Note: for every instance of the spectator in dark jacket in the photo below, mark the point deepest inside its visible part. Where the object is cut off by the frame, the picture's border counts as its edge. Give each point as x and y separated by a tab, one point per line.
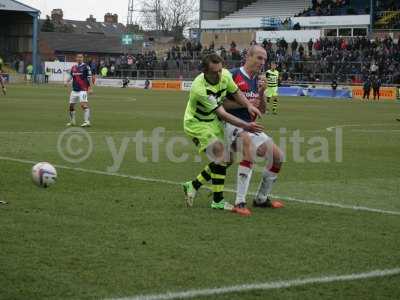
310	47
376	85
367	88
294	46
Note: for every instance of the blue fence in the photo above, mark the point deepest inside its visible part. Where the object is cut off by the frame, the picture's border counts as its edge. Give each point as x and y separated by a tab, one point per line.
329	93
294	91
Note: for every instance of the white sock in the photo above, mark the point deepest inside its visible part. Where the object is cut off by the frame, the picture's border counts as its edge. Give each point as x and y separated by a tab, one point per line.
265	188
87	114
243	181
72	116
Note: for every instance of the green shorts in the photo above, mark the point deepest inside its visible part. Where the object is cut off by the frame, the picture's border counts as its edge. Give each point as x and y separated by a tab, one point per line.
272	92
204	134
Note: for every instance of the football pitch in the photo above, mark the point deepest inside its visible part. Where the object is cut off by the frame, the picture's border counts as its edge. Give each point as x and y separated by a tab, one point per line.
115	224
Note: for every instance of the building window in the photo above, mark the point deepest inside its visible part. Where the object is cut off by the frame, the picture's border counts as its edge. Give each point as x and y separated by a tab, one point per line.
359	31
331	32
344	31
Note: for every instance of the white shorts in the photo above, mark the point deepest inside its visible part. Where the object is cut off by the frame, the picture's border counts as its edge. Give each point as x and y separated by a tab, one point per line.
78	97
232	132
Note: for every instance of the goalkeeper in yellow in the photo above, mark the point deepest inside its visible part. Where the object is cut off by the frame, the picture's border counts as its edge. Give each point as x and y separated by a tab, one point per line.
272	87
204	124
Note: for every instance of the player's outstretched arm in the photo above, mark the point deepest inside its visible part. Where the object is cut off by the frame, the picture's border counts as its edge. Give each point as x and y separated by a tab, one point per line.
227	117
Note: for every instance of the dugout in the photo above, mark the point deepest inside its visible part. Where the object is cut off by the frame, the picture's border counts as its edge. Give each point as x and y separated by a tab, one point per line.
19	32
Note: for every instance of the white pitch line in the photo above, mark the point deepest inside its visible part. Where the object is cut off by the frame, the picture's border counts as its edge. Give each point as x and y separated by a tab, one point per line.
338	205
90	132
356	125
156	180
139	178
376	130
264	286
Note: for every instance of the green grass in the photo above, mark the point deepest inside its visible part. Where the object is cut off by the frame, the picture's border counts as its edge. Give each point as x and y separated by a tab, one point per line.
93	236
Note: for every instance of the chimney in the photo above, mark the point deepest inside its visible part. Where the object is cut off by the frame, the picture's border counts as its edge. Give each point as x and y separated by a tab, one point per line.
57	15
91	19
111	18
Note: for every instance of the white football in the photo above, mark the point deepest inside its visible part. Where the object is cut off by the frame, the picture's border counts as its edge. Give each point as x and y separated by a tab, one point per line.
44	174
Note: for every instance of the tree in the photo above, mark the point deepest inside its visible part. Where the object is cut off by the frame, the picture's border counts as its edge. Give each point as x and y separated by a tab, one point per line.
48	25
173	16
154	15
180	15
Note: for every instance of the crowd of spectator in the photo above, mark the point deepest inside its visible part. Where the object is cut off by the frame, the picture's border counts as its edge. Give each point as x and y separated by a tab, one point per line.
18	63
350	59
345	59
112	65
348	7
176	58
327	8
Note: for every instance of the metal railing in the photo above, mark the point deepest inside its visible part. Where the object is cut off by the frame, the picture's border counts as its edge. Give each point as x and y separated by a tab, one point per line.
343	71
155	74
298	77
288	63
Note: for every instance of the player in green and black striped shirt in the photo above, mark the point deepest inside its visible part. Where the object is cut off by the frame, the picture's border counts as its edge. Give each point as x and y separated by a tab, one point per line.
203	123
272	87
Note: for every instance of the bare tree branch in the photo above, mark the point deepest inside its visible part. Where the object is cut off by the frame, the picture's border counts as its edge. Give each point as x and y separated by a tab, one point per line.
172	16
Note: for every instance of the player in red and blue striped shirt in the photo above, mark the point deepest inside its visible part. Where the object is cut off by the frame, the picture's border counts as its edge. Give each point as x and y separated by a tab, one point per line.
81	77
253	86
